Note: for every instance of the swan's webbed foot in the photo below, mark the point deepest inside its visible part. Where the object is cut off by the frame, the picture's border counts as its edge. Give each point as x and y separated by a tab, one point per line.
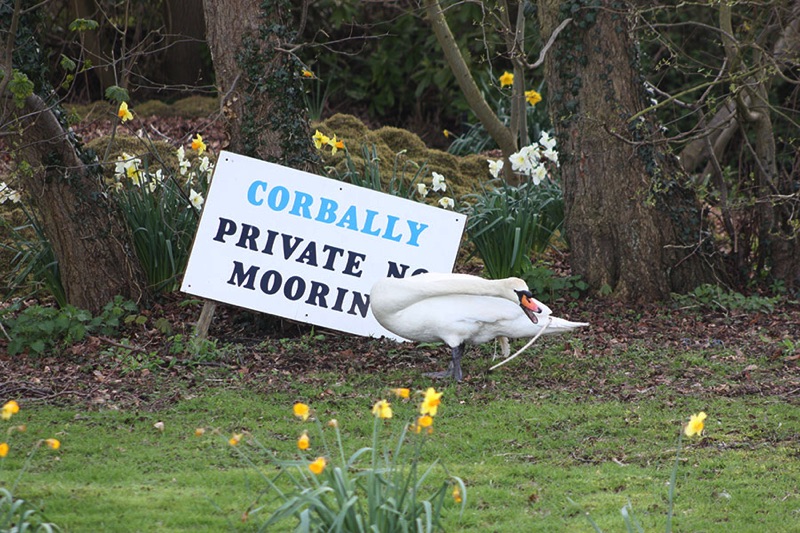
454	368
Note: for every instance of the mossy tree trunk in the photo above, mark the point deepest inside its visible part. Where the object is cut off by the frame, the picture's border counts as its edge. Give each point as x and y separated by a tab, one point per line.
260	82
95	260
632	228
58	179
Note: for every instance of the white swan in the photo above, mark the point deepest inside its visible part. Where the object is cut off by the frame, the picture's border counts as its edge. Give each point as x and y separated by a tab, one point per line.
460	308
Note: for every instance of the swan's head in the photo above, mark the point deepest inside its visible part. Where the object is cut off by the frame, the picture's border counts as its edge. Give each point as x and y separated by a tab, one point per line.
531	306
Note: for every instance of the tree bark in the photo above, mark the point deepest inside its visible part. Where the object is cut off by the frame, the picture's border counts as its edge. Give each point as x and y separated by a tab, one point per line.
259	80
89	240
183	61
632	229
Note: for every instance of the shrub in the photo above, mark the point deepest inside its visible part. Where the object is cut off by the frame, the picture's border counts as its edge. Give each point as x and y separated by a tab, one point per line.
509	222
40	328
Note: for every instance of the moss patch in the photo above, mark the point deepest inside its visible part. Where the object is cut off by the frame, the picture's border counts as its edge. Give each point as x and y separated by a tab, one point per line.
403	152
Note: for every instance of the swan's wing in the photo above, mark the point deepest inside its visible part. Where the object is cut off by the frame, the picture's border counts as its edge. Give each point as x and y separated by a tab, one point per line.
456	319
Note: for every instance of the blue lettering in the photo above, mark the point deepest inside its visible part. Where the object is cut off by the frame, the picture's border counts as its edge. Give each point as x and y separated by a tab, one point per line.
416	228
251	192
349	220
388	234
278	198
327	211
368	223
302	202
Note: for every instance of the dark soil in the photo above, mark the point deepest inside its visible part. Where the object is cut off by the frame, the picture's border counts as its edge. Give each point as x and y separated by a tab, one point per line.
143	367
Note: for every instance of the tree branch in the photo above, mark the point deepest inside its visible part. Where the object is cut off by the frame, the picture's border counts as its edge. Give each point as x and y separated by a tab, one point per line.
502	135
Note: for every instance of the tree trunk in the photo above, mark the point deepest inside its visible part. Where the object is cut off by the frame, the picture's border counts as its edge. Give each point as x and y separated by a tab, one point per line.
259	82
183	62
89	241
632	229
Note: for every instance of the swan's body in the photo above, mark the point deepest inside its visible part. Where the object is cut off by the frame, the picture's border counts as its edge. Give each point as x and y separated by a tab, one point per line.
458	308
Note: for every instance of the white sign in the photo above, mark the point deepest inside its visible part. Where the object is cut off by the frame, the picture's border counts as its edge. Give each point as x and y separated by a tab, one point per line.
309	248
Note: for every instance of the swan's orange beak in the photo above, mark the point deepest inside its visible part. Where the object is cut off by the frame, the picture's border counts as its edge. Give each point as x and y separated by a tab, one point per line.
529	305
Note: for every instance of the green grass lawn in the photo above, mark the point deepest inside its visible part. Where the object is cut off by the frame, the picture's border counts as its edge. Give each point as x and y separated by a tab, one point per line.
524	452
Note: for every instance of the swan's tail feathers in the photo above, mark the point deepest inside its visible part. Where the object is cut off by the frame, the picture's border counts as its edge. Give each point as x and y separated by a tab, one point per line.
561	325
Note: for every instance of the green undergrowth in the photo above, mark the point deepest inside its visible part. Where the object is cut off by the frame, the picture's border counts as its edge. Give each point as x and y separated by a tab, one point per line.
522	452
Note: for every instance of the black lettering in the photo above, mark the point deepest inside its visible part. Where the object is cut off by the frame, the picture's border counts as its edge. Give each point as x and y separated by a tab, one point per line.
249	236
240	277
270	242
288	248
340	294
271	276
395	272
353	263
226	227
332	253
362	302
294	288
317	294
309	255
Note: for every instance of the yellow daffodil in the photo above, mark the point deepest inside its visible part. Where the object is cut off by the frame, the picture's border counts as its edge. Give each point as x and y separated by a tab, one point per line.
301	411
423	422
53	444
533	97
457	494
506	79
446	134
695	425
430	404
382	409
199	432
307	73
198	144
303	442
234	440
124	113
402	393
320	139
317	466
335	145
3	449
10	408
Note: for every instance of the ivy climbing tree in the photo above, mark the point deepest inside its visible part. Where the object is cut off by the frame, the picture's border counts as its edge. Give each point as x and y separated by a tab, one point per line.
260	79
58	177
634	228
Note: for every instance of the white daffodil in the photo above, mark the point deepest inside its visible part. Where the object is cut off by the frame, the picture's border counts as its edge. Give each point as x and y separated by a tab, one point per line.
196	199
495	167
422	189
547	142
446	202
438	182
539	173
519	162
552	155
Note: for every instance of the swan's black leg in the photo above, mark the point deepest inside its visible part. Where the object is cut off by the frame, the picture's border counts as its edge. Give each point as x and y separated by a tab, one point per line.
458	351
454	368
